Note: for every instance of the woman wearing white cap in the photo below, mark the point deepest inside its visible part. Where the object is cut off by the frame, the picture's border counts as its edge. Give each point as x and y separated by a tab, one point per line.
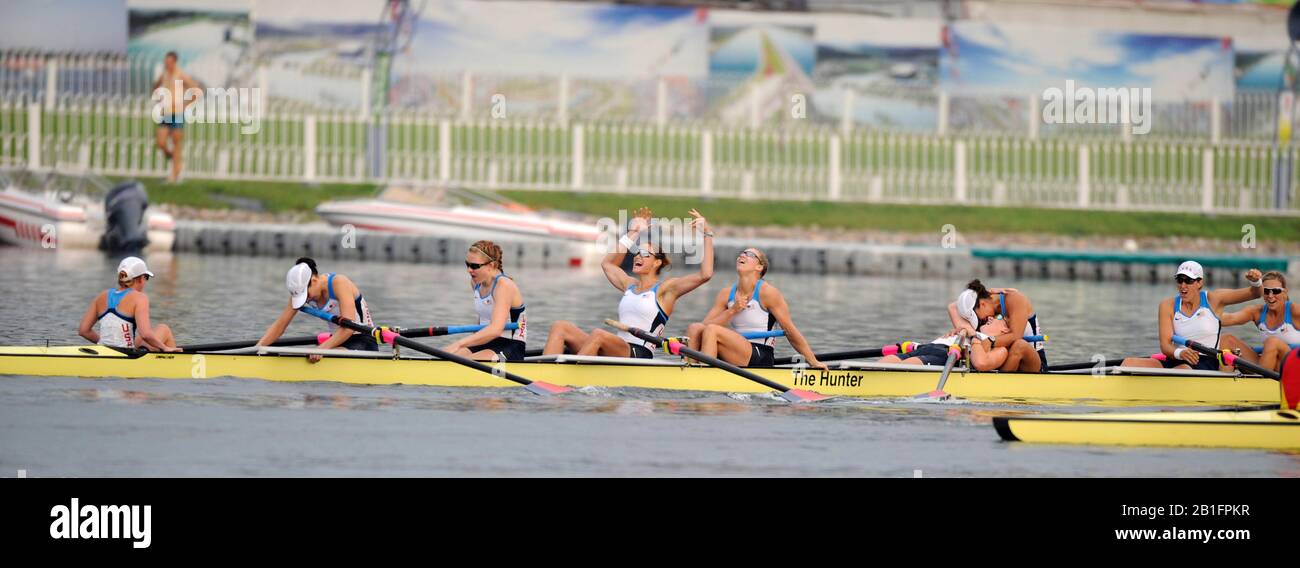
976	304
123	313
1276	319
1195	315
307	286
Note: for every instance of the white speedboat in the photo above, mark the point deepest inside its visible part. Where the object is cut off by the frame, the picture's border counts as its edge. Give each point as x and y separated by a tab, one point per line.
445	212
53	210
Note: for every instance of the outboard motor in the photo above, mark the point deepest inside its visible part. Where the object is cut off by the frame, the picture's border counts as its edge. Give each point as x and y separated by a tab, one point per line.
126	228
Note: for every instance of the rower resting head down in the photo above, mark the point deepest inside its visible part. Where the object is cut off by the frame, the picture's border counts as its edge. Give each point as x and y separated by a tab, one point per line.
122	313
977	304
333	293
648	296
497	302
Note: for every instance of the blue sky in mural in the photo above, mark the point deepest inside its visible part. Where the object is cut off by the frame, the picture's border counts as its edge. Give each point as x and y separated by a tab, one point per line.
552	38
1010	59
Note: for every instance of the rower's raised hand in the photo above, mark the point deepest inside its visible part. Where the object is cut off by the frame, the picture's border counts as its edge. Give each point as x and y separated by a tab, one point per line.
699	223
1254	275
640	220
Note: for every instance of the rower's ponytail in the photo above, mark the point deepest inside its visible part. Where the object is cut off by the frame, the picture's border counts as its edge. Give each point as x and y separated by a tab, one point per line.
981	292
491	250
123	280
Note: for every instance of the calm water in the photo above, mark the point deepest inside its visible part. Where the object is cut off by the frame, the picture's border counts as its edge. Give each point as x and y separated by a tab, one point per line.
115	427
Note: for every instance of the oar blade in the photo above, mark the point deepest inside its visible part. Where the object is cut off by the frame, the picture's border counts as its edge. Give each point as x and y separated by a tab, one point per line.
797	395
545	389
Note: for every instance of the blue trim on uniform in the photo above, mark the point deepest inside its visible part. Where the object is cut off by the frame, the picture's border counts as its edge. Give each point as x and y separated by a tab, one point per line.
114	298
1286	317
759	286
1205	303
490	292
655	289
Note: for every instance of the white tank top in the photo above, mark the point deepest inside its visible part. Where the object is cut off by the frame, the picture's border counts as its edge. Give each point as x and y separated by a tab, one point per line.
332	305
754	317
1202	326
116	329
483	307
641	310
1286	332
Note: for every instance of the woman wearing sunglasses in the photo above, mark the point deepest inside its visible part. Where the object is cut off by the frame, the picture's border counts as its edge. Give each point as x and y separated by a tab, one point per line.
1196	315
648	298
497	301
123	313
748	306
1275	318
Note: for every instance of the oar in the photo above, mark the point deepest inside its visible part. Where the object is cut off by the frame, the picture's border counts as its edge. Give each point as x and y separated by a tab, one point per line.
1228	357
895	349
790	394
429	331
954	353
387	336
1084	365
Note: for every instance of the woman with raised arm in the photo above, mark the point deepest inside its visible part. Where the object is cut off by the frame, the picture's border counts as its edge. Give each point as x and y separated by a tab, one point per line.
497	301
1195	314
648	297
1275	319
750	305
122	313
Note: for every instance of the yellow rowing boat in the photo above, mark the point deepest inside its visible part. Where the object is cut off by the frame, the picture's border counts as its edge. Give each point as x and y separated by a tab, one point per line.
853	379
1261	429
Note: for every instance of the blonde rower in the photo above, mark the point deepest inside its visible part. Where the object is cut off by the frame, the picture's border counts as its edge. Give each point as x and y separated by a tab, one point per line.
1276	322
497	301
648	297
750	305
122	314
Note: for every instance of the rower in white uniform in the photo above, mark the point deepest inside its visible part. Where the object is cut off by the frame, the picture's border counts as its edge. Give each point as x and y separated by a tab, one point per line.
750	305
122	313
648	297
983	356
1275	319
1195	314
333	293
497	301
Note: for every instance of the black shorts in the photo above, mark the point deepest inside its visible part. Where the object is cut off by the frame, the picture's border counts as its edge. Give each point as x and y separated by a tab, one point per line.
761	355
1205	363
930	354
640	351
360	342
505	348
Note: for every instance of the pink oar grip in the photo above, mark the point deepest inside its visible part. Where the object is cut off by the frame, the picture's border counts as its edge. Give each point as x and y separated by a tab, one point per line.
1229	358
889	350
674	347
1158	356
388	336
323	336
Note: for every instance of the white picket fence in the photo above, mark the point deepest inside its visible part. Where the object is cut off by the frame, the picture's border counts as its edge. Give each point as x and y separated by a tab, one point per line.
115	136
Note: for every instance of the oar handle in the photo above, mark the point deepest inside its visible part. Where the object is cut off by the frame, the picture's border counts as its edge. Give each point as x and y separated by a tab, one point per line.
763	334
435	331
679	349
388	336
1228	357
